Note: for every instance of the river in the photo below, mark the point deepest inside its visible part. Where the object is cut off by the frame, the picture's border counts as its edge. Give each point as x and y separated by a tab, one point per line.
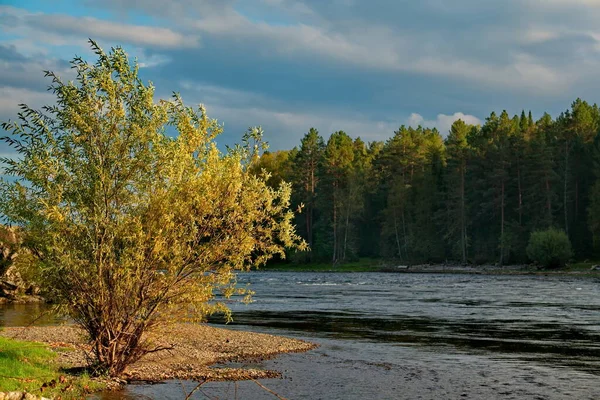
418	336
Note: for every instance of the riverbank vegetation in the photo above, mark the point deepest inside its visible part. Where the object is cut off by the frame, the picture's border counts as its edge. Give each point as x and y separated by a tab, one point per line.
33	367
550	248
25	365
472	195
128	228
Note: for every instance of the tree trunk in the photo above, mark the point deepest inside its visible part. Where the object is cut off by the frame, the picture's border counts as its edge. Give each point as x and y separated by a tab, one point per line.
404	233
502	225
520	196
463	227
397	235
311	210
307	219
346	229
335	244
548	201
566	177
576	199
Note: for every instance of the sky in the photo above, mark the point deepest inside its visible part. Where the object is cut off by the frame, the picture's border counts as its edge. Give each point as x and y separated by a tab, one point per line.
362	66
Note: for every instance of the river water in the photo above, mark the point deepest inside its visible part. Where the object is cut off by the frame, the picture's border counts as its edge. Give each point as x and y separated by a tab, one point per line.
418	336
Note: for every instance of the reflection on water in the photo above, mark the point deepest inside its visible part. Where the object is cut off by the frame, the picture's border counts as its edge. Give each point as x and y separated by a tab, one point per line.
409	336
27	314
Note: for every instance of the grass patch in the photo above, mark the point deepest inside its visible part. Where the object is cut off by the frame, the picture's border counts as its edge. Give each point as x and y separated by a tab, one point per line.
32	367
25	365
361	265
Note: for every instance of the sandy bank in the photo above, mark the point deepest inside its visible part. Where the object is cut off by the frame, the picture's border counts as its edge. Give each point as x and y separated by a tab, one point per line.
193	349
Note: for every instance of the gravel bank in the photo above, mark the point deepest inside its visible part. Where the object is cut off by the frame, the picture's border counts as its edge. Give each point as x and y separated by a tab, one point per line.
193	349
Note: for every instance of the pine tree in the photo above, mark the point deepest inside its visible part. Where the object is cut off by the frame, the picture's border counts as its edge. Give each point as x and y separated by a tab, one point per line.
339	154
457	148
307	163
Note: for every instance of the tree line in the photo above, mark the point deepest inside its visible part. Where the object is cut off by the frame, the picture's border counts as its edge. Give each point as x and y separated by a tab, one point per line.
474	196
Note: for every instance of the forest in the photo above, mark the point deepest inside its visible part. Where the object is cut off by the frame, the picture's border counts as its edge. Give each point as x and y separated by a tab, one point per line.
472	195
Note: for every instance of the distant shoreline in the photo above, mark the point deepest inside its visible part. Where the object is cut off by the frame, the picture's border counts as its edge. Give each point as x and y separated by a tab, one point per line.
578	269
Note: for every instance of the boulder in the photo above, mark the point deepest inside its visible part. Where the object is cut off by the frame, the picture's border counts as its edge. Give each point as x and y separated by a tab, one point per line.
12	275
20	396
13	288
8	289
9	248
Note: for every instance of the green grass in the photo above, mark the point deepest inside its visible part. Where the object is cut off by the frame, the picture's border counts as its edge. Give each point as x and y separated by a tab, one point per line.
32	367
25	365
361	265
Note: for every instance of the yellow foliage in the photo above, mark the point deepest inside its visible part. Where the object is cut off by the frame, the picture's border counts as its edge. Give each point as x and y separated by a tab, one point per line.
128	226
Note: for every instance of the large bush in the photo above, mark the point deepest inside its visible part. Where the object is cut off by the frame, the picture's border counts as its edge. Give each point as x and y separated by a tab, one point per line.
550	248
129	227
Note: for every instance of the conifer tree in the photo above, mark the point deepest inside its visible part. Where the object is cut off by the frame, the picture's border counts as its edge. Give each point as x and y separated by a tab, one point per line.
307	164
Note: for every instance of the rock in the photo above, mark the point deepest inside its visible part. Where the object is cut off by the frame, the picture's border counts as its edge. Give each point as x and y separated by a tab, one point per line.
20	396
32	290
8	288
13	277
14	396
9	247
13	288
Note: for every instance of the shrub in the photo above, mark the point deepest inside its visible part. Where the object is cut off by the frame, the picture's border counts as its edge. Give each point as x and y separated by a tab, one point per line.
128	227
550	248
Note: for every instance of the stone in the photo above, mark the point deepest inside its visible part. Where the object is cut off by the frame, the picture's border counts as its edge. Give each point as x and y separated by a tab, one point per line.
13	277
14	396
32	290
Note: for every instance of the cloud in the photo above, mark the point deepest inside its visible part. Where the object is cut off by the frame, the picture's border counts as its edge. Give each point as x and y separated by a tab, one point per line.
284	129
381	49
19	71
61	26
284	125
11	97
319	35
356	65
96	28
567	3
443	122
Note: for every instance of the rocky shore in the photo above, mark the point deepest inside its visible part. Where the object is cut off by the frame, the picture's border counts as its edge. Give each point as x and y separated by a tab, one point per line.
522	269
193	348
